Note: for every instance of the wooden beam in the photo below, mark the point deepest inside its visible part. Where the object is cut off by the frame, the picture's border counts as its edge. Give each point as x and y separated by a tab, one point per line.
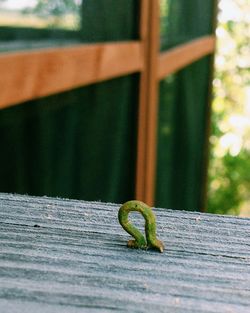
152	114
142	110
33	74
183	55
148	108
206	150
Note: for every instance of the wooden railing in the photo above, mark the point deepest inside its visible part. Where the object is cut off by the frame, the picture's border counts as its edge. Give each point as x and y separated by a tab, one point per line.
32	74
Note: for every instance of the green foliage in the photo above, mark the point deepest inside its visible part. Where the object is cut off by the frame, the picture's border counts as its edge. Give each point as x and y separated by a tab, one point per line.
229	183
56	7
56	13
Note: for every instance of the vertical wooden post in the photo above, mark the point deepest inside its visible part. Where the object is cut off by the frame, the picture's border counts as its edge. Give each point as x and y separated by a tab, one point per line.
142	110
204	191
148	103
152	114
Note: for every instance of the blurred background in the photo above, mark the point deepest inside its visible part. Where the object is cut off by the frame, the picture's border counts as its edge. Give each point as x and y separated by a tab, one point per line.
229	170
30	24
41	14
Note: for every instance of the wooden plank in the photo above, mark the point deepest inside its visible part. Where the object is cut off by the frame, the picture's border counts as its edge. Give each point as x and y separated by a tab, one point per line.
147	127
32	74
142	109
152	107
77	260
183	55
206	151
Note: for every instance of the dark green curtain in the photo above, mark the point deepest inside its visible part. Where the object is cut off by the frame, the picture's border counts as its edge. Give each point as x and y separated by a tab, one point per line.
183	109
184	20
80	143
110	20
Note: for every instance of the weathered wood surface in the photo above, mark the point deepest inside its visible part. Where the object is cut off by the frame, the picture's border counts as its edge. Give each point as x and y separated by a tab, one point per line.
77	260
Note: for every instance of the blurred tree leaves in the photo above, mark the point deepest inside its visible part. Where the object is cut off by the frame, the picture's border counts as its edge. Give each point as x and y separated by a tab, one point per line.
56	7
57	12
229	173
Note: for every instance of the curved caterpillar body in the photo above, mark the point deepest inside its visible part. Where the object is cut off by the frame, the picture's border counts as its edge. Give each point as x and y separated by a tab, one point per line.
150	226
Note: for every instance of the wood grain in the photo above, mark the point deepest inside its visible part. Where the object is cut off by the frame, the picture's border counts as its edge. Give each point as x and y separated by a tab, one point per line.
32	74
77	260
183	55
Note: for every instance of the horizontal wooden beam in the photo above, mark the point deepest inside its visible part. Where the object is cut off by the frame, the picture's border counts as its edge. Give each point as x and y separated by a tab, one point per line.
32	74
183	55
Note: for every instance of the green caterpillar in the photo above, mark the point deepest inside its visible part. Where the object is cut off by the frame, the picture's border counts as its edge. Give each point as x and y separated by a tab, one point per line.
151	242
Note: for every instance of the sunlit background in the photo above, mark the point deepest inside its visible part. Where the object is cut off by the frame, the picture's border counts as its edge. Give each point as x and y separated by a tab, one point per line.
39	13
229	170
229	182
